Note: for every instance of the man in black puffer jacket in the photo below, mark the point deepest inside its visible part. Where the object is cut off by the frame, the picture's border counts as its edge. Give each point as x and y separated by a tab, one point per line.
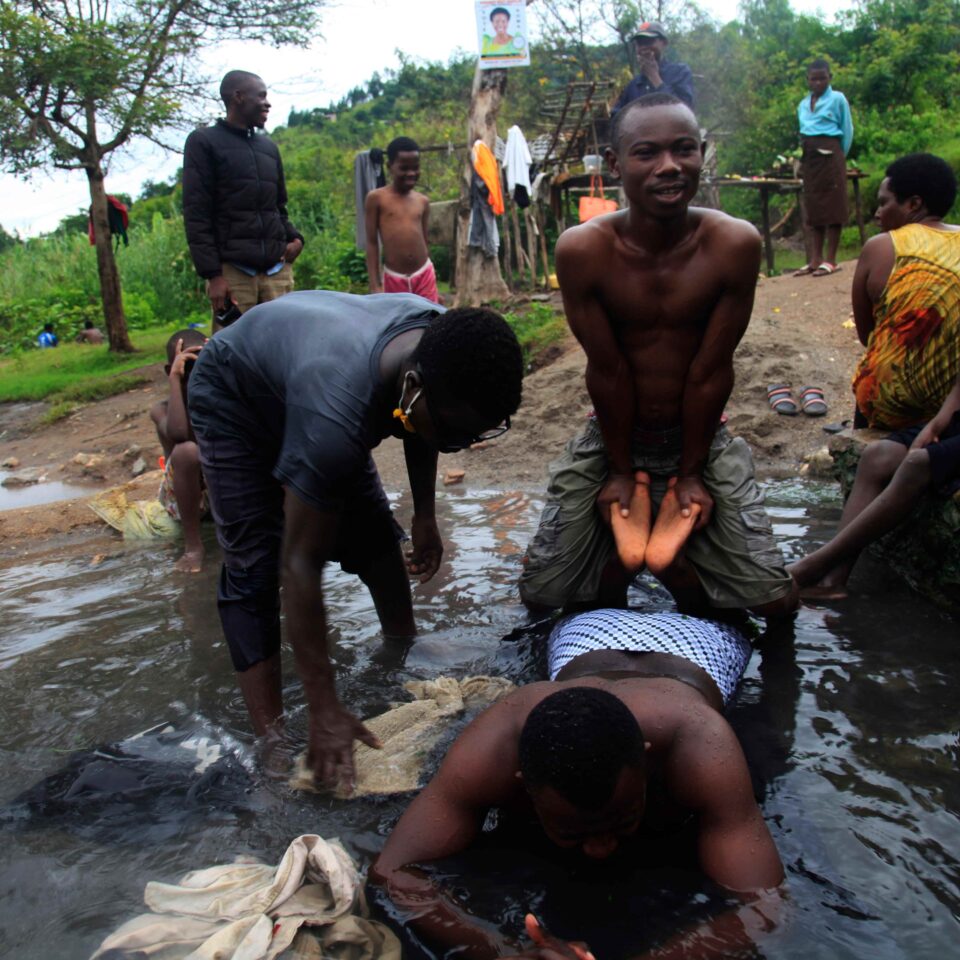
235	204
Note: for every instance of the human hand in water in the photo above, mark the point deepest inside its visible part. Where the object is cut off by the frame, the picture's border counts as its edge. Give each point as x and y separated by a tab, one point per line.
423	561
330	746
618	489
181	357
547	947
690	490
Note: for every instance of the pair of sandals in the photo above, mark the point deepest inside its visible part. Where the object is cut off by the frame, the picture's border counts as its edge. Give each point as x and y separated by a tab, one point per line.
782	401
823	270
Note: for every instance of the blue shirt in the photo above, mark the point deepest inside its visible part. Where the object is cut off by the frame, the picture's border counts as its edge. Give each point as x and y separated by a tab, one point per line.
675	78
829	118
46	340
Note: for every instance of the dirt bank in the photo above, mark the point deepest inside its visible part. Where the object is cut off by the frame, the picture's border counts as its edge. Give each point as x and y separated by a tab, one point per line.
797	335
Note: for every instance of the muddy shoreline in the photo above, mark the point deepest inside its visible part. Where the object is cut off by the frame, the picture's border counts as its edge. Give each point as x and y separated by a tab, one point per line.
800	333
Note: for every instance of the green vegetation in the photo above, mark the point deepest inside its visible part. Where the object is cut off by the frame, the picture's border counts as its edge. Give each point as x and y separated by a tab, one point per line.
537	327
896	60
76	372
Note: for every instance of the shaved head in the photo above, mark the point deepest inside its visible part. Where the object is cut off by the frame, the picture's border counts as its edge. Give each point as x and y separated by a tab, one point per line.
234	81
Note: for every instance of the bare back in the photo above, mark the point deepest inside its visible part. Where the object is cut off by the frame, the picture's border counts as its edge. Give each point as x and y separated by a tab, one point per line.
400	219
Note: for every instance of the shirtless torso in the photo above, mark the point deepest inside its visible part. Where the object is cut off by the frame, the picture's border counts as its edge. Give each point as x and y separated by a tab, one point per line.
659	296
397	218
694	768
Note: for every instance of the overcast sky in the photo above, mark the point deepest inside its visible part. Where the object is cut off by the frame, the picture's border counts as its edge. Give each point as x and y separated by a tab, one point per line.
360	37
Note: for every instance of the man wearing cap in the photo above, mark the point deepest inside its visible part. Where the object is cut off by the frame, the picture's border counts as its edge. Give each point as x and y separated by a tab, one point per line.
655	76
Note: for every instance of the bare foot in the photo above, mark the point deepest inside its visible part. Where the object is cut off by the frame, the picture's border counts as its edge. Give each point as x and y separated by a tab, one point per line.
670	532
190	562
632	532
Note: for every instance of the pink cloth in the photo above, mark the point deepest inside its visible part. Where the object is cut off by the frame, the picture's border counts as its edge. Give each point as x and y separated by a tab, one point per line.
423	282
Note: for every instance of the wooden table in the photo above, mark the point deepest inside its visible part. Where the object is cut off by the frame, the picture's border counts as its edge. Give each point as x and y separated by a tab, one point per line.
781	185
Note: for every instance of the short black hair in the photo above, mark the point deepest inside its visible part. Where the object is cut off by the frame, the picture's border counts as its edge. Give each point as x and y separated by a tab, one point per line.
48	327
497	10
642	103
401	145
232	82
925	176
470	355
819	64
578	741
190	336
87	324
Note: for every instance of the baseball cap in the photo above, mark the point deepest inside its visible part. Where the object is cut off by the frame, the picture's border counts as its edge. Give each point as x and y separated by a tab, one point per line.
650	30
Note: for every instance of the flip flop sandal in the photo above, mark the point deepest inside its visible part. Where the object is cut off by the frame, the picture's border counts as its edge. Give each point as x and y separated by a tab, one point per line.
837	427
781	400
804	270
825	269
812	402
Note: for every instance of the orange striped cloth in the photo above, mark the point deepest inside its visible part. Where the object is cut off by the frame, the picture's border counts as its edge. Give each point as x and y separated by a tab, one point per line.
913	353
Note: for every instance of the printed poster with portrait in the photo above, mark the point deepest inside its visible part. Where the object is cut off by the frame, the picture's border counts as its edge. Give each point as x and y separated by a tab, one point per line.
502	34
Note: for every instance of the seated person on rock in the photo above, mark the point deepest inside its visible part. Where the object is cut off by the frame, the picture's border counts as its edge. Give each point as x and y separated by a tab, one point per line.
906	298
624	746
659	295
891	476
182	490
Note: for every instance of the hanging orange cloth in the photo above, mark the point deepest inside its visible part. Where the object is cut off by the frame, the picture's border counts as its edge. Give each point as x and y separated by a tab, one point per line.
485	163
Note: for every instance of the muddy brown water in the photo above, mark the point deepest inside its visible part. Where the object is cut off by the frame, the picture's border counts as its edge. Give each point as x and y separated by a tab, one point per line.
849	719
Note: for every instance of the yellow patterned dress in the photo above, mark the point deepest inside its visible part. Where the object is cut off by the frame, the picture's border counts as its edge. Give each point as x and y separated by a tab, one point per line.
913	352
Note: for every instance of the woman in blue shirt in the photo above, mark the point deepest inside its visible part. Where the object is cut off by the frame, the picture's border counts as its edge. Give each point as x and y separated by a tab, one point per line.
826	132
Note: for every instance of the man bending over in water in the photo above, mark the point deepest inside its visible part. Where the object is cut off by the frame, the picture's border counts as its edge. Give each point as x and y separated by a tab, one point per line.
659	296
623	745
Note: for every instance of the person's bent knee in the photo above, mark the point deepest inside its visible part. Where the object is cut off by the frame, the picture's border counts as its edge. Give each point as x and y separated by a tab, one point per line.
915	469
185	455
881	459
783	606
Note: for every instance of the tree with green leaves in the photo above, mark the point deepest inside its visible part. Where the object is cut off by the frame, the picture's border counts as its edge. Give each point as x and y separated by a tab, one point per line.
80	79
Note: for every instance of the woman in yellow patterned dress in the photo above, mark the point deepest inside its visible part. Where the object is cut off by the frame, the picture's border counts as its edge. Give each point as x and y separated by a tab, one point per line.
906	297
906	304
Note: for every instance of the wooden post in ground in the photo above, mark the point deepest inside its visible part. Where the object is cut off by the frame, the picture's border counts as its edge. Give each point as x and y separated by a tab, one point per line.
478	277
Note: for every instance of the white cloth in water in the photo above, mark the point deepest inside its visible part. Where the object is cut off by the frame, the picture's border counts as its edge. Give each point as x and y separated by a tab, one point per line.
408	732
252	911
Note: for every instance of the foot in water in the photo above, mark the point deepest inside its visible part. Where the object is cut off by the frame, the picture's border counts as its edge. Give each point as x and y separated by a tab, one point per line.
632	532
824	591
190	562
670	532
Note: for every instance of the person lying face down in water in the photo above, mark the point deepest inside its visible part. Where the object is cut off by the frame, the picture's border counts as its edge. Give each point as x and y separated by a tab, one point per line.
659	295
631	716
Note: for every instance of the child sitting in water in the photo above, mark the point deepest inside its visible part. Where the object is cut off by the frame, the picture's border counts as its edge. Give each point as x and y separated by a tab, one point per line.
182	491
397	218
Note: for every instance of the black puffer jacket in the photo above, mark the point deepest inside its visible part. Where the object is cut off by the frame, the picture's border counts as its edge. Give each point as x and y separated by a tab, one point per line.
234	199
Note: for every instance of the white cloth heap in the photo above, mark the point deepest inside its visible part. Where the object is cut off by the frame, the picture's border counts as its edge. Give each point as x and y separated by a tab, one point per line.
517	160
252	911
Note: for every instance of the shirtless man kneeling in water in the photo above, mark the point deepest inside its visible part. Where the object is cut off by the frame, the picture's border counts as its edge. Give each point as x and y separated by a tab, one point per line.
659	295
623	744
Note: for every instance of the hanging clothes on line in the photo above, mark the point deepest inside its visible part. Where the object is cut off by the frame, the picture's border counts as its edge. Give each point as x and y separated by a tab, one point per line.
483	231
367	175
485	164
516	163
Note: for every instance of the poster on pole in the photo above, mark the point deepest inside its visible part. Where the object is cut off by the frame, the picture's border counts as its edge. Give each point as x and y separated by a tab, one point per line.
502	34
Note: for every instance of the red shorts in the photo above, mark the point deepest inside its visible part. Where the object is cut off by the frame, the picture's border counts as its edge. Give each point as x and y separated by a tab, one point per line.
423	282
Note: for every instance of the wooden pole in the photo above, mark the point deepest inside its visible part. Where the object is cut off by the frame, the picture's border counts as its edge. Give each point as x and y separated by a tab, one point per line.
478	277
